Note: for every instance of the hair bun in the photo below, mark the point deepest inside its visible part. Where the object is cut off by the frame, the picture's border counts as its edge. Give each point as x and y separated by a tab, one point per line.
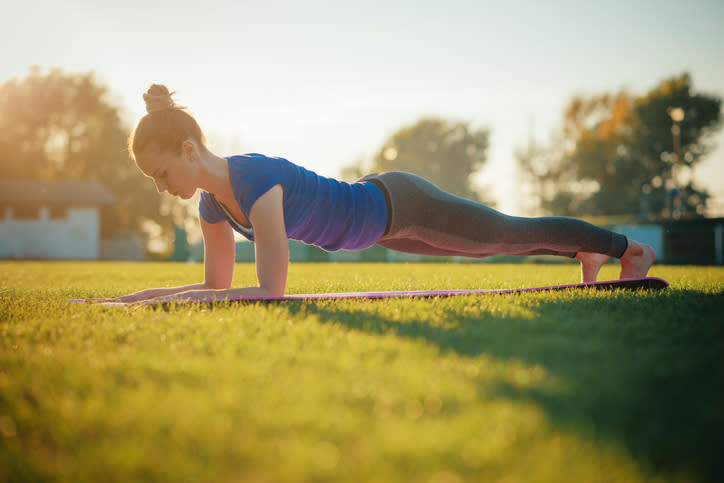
158	98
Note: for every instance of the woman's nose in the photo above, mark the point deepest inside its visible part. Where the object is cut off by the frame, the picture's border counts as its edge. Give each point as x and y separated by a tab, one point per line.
159	186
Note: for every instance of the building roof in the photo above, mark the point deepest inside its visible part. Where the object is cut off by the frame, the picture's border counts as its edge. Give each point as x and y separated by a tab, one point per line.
55	191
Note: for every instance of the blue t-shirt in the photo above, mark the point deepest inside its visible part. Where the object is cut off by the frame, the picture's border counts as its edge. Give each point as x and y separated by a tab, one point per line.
318	211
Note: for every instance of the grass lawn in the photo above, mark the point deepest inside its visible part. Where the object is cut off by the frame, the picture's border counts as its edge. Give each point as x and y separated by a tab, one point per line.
571	386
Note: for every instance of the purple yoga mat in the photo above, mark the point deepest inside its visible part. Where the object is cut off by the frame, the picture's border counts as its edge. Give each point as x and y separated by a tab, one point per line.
627	284
647	283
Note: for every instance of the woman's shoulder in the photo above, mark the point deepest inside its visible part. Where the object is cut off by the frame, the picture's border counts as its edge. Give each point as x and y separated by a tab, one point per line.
260	163
254	157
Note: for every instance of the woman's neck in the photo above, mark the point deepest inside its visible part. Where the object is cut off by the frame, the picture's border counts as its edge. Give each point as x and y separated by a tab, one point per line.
215	175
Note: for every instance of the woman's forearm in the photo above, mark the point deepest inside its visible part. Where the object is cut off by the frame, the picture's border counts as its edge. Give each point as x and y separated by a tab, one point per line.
203	294
183	288
152	293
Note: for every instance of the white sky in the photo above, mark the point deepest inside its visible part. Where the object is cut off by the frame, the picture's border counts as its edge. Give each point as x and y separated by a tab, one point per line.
324	83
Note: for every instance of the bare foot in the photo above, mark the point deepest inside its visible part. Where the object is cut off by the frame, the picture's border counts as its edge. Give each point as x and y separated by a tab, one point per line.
636	260
591	263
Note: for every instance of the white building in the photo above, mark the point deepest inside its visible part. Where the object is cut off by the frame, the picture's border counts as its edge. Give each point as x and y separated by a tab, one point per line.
51	219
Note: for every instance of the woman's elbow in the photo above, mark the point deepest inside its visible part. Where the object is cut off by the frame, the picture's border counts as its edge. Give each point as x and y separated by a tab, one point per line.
275	291
217	285
273	288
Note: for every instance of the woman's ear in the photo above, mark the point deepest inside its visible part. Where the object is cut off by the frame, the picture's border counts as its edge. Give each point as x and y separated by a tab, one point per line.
189	149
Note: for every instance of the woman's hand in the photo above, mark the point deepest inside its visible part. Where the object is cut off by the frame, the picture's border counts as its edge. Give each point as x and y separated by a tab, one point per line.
148	294
133	297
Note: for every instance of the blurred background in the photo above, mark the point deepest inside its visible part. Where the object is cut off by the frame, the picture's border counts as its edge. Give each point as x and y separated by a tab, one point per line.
608	111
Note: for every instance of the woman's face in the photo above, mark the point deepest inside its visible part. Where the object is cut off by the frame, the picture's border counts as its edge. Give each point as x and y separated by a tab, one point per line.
173	173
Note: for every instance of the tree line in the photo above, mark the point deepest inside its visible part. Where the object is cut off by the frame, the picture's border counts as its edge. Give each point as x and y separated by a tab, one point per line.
613	153
618	153
58	125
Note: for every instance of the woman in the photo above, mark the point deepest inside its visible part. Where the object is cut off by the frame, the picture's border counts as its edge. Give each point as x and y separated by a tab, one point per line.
270	200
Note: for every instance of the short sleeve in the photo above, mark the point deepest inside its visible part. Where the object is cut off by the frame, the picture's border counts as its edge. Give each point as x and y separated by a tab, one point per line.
254	175
209	209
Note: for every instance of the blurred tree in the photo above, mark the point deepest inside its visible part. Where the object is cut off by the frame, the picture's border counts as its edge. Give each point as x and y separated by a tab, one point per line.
63	125
445	153
670	152
616	154
551	176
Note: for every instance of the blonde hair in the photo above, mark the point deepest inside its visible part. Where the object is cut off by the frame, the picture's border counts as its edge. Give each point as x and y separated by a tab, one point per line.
165	126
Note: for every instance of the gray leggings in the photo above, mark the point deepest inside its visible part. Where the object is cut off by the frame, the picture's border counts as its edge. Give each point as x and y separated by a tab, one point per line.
425	220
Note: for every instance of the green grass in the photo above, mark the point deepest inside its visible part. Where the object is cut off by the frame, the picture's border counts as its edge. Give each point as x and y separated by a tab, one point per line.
570	386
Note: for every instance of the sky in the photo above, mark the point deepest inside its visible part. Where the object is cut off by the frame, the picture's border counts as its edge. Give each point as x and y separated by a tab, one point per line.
325	83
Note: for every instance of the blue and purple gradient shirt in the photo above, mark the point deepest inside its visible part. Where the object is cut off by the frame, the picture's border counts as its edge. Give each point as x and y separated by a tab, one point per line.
320	211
